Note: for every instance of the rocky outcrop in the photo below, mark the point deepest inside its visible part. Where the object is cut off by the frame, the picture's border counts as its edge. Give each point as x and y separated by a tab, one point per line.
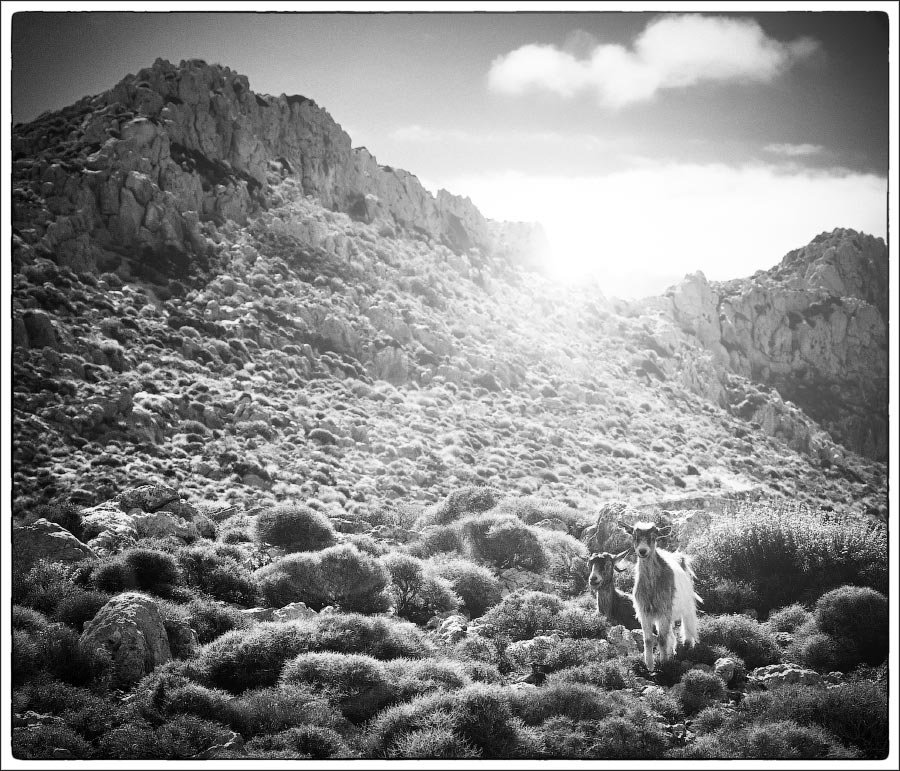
45	540
130	630
814	328
132	172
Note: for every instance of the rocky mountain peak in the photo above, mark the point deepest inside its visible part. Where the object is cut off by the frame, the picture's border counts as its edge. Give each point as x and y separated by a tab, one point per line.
140	165
814	327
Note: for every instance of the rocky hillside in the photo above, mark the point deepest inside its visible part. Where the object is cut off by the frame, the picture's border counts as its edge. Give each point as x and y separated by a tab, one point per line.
213	290
813	327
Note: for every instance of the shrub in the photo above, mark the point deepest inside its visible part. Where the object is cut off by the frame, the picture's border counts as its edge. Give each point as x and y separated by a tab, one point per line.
64	514
438	540
185	736
153	571
858	614
524	615
308	741
710	719
113	575
42	742
573	700
856	713
698	690
217	574
135	740
379	637
665	703
754	643
783	740
195	699
211	619
790	555
359	685
823	652
79	607
475	585
503	541
566	562
40	645
728	596
617	738
247	658
414	678
460	503
532	510
478	714
42	586
294	527
432	742
417	594
340	575
610	675
275	709
788	618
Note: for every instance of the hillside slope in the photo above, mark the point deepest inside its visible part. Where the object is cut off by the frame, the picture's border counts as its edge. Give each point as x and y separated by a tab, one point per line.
213	290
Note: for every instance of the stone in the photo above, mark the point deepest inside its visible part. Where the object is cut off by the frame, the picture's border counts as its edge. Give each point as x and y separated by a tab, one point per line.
147	498
47	540
161	523
259	614
623	640
130	630
776	675
725	668
292	612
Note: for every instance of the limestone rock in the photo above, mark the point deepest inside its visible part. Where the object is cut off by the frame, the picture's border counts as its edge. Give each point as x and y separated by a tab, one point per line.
623	640
47	540
725	668
291	612
130	629
147	498
777	675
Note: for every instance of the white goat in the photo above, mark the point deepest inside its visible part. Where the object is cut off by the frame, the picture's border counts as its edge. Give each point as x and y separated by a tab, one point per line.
663	592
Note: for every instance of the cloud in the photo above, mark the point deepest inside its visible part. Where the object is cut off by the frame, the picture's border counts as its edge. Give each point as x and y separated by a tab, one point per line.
641	229
672	52
794	150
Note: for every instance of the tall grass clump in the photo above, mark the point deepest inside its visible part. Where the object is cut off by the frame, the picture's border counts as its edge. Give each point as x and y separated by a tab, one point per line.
790	555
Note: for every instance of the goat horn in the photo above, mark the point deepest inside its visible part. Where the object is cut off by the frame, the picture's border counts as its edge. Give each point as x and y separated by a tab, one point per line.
621	555
625	526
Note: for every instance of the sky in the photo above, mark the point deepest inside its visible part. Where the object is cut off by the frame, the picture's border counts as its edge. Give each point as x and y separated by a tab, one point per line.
649	145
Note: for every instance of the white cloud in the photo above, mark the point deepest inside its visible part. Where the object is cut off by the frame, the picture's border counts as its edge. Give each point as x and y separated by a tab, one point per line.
642	229
794	150
672	52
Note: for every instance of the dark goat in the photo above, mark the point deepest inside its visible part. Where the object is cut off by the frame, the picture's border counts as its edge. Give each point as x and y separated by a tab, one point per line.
616	605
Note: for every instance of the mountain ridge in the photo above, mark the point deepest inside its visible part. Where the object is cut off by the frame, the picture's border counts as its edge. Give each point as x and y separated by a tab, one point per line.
188	305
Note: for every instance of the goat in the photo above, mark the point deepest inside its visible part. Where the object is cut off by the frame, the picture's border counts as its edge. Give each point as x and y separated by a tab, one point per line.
616	605
663	592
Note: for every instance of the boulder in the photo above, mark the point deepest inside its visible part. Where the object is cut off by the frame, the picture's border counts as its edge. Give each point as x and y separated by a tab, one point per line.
293	611
147	498
130	630
777	675
160	524
47	540
726	668
623	640
259	614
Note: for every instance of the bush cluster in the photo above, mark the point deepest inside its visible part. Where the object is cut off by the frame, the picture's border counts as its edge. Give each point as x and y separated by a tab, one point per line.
417	593
295	528
340	575
789	556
